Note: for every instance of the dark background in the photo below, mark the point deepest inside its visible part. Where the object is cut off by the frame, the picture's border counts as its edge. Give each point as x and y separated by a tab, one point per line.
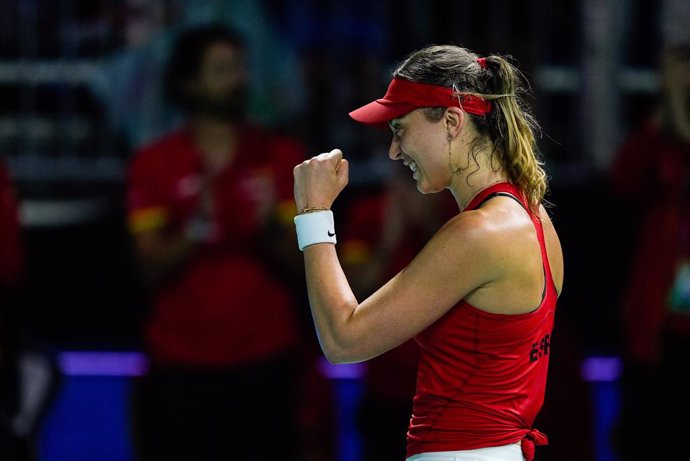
80	91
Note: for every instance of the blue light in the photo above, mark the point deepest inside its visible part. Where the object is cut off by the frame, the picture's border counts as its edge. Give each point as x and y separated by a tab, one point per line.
601	369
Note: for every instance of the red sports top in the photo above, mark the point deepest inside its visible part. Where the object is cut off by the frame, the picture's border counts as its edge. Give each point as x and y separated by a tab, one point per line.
225	306
482	376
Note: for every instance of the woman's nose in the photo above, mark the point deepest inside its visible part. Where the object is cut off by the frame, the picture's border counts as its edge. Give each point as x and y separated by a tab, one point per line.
394	149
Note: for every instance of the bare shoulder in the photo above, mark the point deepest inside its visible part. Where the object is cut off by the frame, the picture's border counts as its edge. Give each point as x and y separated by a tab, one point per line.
474	231
491	227
473	242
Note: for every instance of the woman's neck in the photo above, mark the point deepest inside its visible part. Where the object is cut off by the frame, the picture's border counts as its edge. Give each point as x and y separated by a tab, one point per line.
466	184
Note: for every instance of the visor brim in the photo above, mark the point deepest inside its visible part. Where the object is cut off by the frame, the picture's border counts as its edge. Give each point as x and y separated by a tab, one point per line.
378	113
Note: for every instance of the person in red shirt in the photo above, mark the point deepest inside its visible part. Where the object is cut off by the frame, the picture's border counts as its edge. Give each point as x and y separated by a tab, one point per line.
652	172
209	208
384	231
480	297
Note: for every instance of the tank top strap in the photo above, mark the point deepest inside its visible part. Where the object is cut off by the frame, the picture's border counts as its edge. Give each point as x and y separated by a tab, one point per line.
501	188
509	190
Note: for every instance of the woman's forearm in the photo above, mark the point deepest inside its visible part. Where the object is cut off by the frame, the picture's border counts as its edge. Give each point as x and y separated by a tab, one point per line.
332	302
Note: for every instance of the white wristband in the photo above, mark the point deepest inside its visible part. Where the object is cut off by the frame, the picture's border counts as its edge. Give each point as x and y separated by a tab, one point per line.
315	227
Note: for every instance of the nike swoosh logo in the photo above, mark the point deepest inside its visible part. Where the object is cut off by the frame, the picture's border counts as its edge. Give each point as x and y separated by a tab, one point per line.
331	234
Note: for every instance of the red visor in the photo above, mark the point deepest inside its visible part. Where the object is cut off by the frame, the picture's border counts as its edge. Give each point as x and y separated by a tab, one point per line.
404	96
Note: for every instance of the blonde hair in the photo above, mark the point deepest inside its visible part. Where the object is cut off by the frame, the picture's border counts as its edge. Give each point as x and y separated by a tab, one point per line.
510	125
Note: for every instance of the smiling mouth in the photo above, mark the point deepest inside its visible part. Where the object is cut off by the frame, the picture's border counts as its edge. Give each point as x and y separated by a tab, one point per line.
411	164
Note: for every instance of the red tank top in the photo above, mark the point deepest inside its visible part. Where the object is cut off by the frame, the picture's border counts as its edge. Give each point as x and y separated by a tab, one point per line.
482	376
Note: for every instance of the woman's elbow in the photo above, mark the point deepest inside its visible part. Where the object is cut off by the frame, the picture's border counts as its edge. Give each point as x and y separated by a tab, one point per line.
339	354
340	359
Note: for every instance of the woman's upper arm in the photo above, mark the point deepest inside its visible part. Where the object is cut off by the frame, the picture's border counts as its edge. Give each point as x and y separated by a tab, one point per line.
456	261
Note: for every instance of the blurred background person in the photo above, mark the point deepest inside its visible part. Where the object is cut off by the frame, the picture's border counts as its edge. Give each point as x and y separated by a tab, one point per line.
652	172
129	82
385	229
13	444
211	223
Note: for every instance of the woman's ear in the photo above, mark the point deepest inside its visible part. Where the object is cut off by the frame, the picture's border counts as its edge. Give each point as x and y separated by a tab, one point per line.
454	118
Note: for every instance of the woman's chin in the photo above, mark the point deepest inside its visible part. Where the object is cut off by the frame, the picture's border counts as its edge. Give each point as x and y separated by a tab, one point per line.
423	187
426	188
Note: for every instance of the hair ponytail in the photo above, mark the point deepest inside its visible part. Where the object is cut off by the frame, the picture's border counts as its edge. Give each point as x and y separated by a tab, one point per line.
512	129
